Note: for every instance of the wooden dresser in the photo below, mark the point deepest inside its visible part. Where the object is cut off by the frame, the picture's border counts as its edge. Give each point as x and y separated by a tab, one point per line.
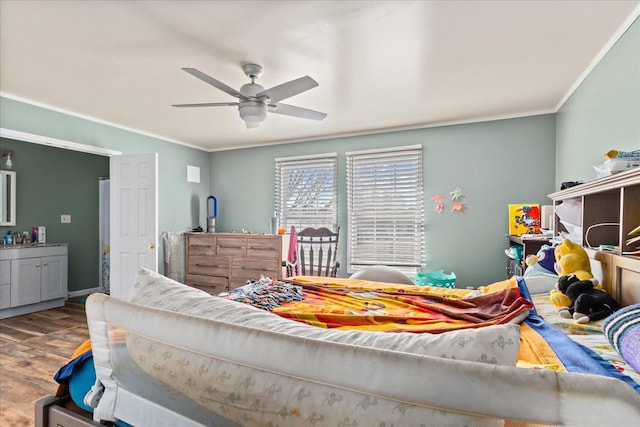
218	262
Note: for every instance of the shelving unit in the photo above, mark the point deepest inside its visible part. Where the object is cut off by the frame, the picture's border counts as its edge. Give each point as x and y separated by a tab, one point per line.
611	200
527	247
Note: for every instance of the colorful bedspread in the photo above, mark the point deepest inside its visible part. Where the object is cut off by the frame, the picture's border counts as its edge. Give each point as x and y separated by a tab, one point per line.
364	305
547	345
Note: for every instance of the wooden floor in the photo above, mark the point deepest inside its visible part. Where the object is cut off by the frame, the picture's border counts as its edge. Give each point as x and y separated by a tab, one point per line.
32	348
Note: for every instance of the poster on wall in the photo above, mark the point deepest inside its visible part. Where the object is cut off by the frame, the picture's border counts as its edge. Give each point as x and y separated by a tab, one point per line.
524	218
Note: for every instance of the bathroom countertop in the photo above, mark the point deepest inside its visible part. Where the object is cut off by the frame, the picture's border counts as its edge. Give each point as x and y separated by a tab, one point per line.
32	250
31	245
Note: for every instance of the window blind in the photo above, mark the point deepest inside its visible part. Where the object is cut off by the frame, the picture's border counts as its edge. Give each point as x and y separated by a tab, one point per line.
385	209
306	191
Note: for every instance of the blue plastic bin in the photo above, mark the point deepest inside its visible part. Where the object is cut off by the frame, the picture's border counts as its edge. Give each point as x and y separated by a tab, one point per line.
436	278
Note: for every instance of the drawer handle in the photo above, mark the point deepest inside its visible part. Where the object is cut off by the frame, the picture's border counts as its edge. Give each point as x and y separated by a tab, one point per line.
261	249
229	247
201	246
209	265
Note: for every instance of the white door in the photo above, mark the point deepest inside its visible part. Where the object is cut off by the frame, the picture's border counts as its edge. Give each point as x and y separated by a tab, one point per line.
134	219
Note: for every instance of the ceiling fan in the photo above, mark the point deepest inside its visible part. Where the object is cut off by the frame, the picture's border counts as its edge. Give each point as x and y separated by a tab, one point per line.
254	100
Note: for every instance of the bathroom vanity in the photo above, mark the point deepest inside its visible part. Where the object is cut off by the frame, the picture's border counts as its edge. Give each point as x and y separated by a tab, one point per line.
32	278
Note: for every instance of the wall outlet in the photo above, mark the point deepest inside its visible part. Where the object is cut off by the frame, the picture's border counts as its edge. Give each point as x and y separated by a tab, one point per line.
65	219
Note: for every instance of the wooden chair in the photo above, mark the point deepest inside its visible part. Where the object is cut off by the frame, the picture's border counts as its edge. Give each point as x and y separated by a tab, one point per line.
316	253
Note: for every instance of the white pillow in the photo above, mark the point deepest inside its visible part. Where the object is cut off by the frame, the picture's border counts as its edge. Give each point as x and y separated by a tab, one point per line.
497	344
540	284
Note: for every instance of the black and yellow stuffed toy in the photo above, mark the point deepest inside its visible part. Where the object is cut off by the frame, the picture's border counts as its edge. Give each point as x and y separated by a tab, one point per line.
570	258
588	304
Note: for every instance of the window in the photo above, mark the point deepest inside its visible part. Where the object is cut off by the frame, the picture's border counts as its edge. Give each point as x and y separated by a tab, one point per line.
307	191
385	209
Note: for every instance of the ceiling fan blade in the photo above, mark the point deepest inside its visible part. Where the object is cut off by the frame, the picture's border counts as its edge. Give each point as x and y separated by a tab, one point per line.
207	104
215	83
288	89
291	110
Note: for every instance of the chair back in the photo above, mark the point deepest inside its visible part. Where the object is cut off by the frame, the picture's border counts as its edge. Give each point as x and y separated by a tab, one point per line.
317	251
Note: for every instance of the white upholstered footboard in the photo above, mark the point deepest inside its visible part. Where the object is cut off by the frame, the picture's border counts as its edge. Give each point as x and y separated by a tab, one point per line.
255	377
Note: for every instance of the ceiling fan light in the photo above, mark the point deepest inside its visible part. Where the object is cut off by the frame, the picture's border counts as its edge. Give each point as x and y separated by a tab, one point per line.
252	111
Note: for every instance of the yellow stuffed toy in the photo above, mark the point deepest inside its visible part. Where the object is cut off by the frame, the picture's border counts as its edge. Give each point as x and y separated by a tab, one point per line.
571	258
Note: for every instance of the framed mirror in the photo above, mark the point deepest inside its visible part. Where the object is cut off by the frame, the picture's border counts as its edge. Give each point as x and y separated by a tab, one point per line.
7	198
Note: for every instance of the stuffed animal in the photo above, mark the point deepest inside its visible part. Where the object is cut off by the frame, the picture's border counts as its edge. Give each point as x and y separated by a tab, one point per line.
571	258
587	303
542	262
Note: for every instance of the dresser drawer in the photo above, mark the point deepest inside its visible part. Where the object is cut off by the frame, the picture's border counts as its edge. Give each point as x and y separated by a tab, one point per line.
268	248
253	268
208	265
217	262
210	284
232	246
201	244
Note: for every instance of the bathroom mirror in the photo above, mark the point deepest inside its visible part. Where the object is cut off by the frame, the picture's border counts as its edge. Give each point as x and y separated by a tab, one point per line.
7	198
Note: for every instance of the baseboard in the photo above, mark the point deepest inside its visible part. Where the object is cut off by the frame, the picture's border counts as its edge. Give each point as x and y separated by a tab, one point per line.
83	292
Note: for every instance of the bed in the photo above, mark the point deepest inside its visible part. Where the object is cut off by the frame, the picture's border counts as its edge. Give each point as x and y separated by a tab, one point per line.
174	355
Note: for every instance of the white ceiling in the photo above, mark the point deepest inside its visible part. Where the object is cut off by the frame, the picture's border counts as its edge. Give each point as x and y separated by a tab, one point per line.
381	65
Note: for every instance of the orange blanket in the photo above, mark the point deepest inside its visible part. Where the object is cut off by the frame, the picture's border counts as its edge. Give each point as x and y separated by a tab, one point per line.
364	305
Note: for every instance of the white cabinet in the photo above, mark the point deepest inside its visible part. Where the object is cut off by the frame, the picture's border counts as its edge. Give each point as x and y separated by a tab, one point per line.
25	281
5	284
54	277
32	278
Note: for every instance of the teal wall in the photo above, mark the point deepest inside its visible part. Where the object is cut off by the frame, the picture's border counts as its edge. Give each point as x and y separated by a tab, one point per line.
495	163
51	182
181	204
603	113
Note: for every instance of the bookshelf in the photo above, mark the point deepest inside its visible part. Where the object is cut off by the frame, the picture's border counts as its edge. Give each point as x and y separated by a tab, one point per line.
526	246
611	200
610	215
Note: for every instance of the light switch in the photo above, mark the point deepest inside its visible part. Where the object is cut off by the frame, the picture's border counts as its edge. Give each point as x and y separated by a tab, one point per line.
65	219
